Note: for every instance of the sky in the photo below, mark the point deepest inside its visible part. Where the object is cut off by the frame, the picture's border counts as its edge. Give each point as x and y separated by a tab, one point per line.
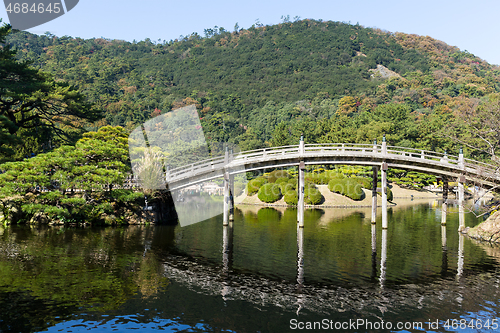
469	25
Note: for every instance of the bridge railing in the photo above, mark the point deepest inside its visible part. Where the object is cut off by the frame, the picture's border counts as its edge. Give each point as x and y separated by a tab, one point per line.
197	167
265	152
474	163
341	147
424	154
219	162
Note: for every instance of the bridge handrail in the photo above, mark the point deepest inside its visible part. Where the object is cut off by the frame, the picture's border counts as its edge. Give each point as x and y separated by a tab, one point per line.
469	161
427	154
218	162
267	149
339	146
197	165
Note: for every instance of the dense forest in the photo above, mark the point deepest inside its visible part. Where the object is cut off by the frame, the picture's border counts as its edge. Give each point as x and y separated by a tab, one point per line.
267	84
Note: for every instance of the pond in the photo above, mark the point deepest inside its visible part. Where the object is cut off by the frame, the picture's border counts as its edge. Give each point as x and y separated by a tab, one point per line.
260	274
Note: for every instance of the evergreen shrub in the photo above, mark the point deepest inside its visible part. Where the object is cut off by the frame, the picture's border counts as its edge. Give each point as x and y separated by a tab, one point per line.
312	196
254	185
291	197
269	193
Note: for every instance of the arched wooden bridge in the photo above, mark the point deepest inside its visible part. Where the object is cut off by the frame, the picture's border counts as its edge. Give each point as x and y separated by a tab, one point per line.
438	164
380	157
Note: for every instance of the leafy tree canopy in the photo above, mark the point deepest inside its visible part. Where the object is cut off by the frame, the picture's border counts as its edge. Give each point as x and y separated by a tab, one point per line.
37	109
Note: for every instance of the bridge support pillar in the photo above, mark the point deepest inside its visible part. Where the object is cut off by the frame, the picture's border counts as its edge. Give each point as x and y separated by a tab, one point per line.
374	194
384	195
231	197
461	213
300	192
444	209
226	199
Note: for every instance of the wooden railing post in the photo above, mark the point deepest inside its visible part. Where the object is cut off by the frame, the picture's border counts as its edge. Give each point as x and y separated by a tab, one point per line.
384	146
301	146
461	159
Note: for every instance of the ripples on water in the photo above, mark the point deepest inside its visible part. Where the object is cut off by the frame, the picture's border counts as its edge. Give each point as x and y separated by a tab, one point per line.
257	276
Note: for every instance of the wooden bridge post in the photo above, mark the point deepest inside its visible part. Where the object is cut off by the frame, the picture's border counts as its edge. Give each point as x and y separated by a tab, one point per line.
444	209
374	194
231	197
384	195
301	185
226	199
461	213
300	191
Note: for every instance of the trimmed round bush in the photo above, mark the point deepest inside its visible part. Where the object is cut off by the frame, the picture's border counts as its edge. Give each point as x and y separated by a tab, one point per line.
254	185
291	197
285	187
269	193
336	185
365	182
354	190
312	196
293	182
282	180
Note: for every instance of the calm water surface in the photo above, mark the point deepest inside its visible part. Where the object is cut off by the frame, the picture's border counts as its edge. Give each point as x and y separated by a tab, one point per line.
261	274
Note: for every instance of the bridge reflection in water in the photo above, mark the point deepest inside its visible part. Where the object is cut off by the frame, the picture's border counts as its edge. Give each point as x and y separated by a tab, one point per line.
300	294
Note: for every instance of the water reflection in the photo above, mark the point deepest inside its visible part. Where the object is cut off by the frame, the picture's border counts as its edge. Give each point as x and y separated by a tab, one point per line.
374	253
383	259
259	267
227	247
444	260
460	265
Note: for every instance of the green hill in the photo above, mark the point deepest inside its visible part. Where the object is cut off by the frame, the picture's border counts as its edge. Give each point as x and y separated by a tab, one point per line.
268	84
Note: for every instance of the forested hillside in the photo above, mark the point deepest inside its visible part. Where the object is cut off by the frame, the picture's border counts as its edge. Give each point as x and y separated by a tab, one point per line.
267	84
